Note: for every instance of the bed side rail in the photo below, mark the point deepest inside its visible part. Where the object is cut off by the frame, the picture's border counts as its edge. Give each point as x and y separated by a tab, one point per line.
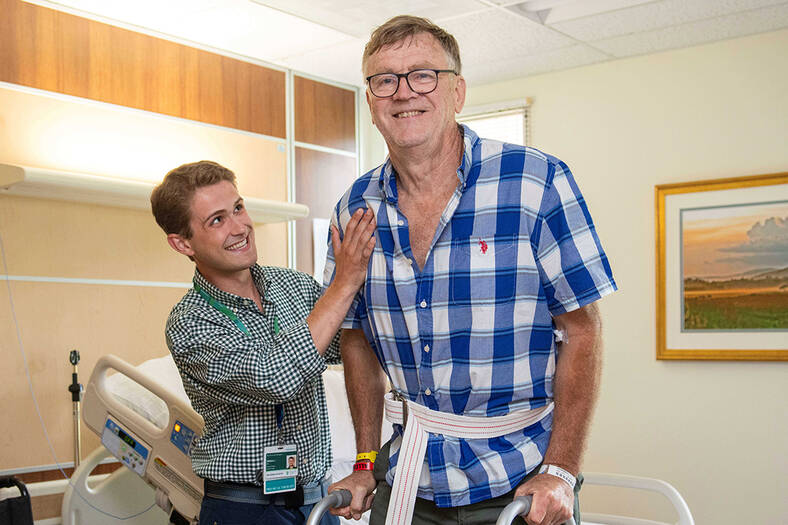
169	466
636	482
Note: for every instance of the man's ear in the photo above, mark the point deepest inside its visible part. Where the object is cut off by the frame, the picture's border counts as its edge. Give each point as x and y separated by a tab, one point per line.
369	103
459	94
180	244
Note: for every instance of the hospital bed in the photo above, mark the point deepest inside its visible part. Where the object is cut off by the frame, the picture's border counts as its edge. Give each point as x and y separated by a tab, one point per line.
145	420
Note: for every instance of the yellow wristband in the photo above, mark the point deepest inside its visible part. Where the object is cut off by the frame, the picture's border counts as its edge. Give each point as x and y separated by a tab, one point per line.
371	456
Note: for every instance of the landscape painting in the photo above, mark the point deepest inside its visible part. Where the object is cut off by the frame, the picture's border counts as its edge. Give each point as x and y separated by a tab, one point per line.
734	262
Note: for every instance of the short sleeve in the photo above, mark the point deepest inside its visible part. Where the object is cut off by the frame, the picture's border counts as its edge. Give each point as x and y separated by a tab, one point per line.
573	268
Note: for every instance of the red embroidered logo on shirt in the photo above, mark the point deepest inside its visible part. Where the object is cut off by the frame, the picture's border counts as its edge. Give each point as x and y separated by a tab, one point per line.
483	245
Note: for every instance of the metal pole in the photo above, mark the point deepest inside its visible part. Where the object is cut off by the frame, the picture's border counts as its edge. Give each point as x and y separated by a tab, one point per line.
76	394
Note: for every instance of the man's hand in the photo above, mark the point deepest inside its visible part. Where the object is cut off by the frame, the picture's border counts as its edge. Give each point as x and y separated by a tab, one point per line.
553	500
352	257
361	484
352	253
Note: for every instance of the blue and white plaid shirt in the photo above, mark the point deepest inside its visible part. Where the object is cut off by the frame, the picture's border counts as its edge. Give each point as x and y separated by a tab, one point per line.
472	332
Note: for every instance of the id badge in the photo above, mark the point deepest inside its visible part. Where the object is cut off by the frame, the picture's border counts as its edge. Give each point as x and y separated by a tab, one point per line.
281	469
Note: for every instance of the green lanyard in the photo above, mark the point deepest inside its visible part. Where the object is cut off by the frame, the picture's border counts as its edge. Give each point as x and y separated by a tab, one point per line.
229	313
222	308
280	412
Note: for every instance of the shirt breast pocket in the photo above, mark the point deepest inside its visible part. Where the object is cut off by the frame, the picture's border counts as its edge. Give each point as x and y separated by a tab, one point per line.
483	270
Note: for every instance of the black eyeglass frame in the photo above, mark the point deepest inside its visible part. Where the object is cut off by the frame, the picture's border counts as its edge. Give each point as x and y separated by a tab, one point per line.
400	76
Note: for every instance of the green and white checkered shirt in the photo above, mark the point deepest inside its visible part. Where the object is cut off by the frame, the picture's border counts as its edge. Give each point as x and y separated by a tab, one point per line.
235	381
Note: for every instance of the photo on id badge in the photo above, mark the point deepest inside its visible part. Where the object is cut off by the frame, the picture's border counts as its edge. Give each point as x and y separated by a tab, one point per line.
281	469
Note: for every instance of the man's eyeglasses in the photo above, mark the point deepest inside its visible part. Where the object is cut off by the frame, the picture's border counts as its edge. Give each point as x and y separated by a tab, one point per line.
421	81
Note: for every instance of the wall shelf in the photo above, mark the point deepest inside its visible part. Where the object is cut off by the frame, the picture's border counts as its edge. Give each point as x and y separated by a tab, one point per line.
123	193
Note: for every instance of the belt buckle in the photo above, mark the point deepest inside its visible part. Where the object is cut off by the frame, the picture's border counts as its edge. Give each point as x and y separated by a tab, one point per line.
402	399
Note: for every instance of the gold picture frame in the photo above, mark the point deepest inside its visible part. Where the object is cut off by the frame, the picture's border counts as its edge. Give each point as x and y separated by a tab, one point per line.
736	315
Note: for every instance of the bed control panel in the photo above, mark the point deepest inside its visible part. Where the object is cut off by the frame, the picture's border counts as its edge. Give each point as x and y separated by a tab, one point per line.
124	446
182	437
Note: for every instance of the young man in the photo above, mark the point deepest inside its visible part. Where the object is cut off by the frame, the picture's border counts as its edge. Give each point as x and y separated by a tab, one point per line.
251	343
484	250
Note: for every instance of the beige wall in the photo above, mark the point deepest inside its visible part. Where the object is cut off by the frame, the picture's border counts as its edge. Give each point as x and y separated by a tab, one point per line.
53	239
718	431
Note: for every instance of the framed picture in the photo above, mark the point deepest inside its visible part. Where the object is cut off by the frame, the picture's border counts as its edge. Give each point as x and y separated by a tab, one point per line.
722	269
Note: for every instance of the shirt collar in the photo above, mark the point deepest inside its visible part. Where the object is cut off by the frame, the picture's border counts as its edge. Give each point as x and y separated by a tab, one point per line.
387	176
261	281
471	145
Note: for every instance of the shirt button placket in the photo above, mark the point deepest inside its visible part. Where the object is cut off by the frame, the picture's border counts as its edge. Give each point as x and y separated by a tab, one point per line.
425	329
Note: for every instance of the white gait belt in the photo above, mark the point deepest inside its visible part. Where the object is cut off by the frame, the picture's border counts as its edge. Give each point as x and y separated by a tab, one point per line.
420	421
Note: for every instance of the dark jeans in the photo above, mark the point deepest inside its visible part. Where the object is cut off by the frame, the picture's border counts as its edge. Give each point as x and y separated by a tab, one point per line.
216	511
427	513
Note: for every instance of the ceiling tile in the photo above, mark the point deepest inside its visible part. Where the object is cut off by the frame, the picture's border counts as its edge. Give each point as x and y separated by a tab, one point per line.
143	13
721	28
509	68
575	10
432	9
360	17
236	26
340	63
253	30
654	15
497	33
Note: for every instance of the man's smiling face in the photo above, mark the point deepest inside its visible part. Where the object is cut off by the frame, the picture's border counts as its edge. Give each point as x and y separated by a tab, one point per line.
408	119
222	241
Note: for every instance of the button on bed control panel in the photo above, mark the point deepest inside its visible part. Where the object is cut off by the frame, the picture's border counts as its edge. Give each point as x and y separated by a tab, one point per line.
124	446
182	437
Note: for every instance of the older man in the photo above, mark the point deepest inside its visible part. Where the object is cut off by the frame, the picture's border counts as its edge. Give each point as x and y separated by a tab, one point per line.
485	251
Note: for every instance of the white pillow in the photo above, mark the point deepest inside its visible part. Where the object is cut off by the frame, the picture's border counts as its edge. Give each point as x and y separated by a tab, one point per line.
141	400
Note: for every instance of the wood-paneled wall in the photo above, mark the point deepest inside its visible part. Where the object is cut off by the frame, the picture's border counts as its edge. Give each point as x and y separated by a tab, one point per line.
55	51
325	115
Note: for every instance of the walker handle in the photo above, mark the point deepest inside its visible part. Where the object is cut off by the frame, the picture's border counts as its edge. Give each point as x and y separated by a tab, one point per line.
520	506
338	498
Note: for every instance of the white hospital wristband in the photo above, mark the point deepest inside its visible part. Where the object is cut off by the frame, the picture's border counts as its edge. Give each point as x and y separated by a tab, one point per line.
557	471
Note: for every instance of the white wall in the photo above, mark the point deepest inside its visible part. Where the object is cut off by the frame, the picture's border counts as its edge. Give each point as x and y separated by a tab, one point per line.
373	149
718	431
